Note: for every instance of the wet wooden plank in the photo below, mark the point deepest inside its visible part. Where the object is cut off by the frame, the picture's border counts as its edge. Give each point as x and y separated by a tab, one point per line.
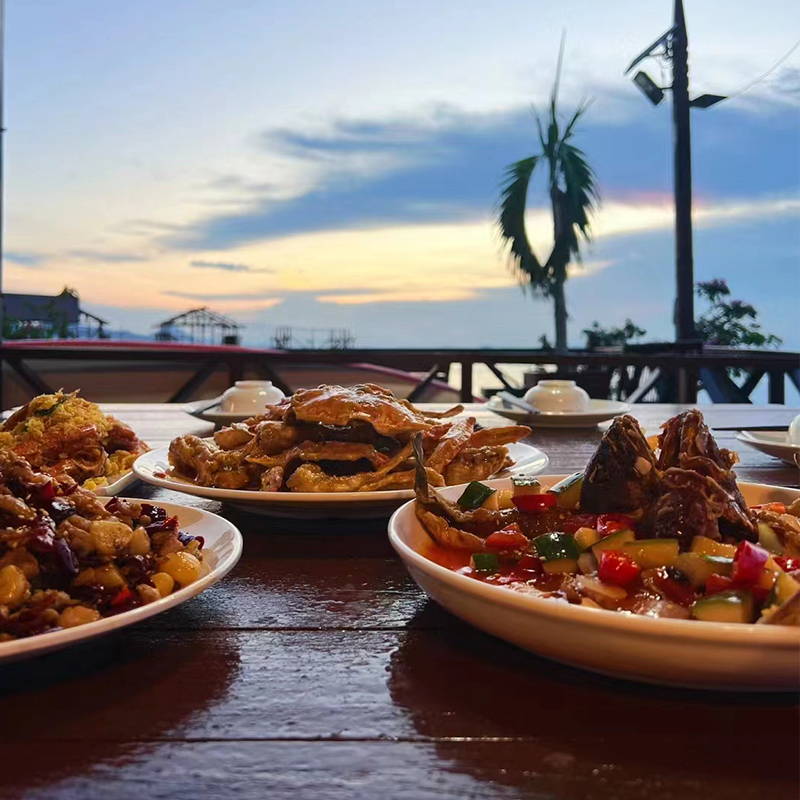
447	770
454	683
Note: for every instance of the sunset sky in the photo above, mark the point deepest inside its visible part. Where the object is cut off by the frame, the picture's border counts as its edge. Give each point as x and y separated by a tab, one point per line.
337	163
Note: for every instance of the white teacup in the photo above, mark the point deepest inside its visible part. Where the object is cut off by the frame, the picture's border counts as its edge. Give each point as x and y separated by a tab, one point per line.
250	397
794	431
562	397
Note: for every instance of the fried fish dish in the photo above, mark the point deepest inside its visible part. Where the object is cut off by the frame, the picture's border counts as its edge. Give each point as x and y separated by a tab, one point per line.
659	531
343	439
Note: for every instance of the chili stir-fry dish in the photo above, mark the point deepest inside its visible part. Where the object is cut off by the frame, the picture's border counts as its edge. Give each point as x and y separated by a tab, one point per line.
63	434
66	559
343	439
661	531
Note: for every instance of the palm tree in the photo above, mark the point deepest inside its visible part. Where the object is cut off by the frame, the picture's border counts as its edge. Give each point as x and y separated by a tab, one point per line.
573	195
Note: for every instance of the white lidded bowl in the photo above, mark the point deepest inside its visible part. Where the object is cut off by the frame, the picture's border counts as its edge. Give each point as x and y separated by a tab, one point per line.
557	397
794	431
250	397
676	652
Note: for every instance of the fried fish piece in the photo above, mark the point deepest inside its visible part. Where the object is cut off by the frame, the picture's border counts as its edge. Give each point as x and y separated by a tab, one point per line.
622	474
687	443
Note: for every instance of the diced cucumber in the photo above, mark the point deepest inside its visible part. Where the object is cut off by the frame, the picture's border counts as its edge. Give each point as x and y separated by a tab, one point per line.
652	552
474	496
724	607
555	546
768	539
613	542
697	567
586	537
523	485
568	491
702	544
561	565
484	562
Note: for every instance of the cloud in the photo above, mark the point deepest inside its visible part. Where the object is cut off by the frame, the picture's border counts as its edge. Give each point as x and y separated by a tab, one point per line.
228	266
111	257
24	258
448	168
220	295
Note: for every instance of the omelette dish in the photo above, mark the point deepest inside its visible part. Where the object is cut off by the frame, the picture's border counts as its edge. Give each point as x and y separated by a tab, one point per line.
63	434
343	439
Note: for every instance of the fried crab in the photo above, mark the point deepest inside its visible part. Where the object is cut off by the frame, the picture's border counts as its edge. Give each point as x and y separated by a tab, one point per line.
343	439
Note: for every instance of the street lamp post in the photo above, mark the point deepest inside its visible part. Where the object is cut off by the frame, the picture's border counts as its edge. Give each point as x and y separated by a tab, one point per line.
682	137
674	45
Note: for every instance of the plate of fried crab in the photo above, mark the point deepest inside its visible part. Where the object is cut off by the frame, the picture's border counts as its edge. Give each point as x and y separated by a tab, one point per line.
338	450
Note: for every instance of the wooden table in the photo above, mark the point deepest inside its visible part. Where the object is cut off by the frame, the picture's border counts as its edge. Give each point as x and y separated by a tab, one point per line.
317	669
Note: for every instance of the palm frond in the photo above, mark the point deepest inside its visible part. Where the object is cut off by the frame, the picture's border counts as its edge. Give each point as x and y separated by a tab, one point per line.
514	199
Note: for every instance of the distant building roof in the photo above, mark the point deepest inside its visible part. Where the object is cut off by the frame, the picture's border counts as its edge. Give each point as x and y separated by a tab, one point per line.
44	308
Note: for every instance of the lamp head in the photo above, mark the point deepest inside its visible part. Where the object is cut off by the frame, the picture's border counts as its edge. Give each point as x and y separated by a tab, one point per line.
654	93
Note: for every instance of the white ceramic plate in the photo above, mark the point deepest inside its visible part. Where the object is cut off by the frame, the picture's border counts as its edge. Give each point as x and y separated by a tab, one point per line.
214	413
119	485
222	549
151	466
599	411
708	655
220	417
773	443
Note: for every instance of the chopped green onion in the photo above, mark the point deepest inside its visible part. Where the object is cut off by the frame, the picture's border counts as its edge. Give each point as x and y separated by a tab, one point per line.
46	412
475	495
485	562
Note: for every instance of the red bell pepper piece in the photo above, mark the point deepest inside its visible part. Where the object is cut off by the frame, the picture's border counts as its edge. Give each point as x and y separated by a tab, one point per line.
611	523
122	597
529	563
787	564
509	538
678	591
718	583
748	564
579	521
534	503
617	568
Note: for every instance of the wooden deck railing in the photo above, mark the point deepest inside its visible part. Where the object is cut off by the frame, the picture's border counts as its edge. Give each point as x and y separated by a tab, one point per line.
637	374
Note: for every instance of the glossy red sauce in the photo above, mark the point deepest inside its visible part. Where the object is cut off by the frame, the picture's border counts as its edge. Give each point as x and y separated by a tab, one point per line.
642	598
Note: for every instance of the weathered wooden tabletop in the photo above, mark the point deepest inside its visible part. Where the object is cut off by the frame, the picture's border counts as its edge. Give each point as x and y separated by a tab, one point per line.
317	669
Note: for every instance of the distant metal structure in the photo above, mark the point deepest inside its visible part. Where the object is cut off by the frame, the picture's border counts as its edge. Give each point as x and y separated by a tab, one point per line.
288	338
199	326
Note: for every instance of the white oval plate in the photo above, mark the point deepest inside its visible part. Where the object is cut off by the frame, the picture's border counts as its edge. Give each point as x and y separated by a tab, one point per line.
222	549
599	411
219	417
773	443
119	485
708	655
149	467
